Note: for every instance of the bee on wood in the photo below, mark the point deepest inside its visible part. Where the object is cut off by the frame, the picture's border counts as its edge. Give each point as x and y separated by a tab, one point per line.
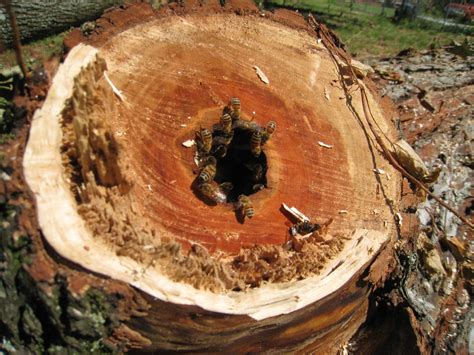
303	228
256	143
226	123
215	192
245	206
234	106
245	125
225	140
204	140
268	131
208	171
219	145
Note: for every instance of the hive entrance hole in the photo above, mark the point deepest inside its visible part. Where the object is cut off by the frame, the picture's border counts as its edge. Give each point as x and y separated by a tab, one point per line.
246	172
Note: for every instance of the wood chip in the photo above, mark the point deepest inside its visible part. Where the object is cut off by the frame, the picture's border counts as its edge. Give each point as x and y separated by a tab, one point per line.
183	125
324	145
379	171
295	213
399	219
261	75
189	143
326	94
114	88
343	212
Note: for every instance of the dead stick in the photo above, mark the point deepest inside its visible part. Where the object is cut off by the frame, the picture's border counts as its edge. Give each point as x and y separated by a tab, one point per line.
16	36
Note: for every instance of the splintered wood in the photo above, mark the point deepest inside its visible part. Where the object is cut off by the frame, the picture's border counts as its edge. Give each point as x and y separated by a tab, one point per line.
261	75
114	88
294	212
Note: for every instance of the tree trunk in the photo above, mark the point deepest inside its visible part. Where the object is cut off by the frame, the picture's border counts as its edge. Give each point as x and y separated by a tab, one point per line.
37	19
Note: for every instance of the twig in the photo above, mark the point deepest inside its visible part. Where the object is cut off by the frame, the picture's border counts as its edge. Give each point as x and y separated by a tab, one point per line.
16	36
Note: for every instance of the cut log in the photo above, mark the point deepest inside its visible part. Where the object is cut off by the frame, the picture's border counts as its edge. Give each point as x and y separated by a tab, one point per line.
40	18
114	185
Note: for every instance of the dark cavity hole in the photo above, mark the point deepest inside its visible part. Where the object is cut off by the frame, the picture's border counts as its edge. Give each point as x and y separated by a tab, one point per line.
246	172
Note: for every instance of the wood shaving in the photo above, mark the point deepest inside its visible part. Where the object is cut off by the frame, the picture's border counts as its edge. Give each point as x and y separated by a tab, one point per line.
324	145
294	212
189	143
114	88
326	94
261	75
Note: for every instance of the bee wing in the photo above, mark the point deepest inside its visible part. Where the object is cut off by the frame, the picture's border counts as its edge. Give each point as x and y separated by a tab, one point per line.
219	140
237	205
226	187
254	126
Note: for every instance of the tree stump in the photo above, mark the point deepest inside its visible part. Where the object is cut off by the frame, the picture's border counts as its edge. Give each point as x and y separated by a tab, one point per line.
114	192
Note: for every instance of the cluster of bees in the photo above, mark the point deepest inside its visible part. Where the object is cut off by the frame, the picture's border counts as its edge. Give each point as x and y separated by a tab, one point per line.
213	146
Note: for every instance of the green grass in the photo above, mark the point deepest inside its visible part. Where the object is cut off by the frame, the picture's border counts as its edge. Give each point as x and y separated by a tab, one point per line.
35	52
367	33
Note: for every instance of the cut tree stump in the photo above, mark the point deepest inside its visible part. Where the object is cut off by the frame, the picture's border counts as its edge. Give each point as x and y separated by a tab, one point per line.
114	185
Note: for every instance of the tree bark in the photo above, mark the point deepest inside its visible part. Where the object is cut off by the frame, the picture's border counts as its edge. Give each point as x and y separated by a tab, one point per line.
38	19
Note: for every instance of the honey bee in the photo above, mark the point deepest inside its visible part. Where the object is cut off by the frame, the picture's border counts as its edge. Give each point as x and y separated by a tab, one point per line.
215	192
268	131
303	228
255	143
245	125
222	140
234	106
208	172
219	145
245	205
204	140
207	160
226	123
